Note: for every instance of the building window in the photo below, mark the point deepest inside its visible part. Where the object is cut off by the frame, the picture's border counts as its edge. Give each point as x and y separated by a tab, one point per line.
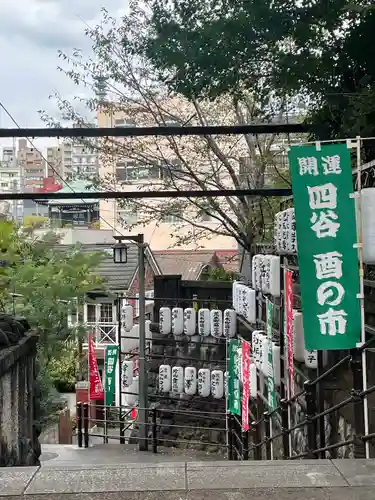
91	313
106	313
133	171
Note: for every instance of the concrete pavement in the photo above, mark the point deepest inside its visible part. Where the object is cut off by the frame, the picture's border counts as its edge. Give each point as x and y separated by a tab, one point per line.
278	480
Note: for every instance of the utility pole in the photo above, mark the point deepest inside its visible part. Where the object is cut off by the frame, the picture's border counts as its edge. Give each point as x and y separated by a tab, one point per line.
143	382
120	256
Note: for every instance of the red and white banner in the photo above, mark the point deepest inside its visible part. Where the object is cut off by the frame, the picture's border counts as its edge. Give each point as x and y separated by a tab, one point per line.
96	385
289	327
245	383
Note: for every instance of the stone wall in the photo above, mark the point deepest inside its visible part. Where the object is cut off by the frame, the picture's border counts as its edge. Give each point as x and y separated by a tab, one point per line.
18	433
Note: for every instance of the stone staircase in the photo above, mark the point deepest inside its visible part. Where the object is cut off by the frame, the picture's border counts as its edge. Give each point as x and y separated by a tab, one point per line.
102	479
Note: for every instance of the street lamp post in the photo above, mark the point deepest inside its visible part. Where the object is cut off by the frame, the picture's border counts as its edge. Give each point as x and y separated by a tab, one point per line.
120	256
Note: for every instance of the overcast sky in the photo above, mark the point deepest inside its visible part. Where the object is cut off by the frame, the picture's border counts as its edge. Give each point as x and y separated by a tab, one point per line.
31	33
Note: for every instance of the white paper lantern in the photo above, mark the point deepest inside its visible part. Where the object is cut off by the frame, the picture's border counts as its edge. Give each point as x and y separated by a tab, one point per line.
262	340
165	320
178	379
274	276
276	364
131	342
126	374
311	359
177	321
216	323
190	380
298	337
368	226
253	381
204	322
225	383
278	231
204	382
127	317
266	274
256	345
165	378
132	399
264	367
256	276
189	321
293	234
252	305
229	323
217	384
235	291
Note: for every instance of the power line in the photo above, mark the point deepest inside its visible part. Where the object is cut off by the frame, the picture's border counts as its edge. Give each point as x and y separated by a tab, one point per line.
254	129
129	195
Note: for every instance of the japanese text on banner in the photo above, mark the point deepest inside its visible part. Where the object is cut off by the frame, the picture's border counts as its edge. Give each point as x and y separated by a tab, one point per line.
245	384
289	328
96	386
326	233
111	355
234	385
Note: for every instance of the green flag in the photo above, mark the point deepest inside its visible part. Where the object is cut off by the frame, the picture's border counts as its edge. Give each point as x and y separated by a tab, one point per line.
234	386
326	235
111	355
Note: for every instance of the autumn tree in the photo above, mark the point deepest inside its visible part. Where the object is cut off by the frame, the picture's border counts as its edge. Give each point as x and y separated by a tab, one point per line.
125	86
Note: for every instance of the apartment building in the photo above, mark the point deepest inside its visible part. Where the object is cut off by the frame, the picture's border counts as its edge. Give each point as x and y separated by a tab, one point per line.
79	161
131	175
32	166
55	163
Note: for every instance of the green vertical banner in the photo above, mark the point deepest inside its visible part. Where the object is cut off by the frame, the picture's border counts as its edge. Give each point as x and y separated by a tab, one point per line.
234	386
271	381
111	355
326	234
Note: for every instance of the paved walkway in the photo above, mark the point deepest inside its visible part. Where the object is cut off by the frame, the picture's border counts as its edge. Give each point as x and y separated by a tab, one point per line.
278	480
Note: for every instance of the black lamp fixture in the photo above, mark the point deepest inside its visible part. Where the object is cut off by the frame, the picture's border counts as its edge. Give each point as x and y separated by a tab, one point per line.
120	253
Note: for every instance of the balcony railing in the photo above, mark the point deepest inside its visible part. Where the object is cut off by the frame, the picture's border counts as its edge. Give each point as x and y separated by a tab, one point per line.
104	333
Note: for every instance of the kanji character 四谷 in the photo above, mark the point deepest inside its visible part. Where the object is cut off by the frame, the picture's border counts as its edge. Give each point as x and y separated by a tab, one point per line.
324	224
332	322
322	197
328	265
330	292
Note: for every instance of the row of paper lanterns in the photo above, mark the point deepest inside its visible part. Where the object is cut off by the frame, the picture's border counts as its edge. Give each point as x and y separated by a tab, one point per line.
179	321
191	381
285	232
266	274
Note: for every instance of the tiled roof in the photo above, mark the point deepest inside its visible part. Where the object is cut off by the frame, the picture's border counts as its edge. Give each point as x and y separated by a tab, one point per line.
117	276
229	259
187	263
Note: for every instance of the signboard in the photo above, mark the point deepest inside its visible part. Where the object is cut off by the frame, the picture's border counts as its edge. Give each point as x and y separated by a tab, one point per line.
289	328
245	384
326	235
96	386
111	355
234	387
271	381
